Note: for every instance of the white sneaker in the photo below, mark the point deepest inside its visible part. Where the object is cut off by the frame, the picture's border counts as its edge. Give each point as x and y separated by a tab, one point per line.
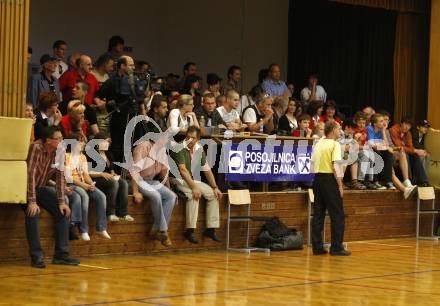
407	183
104	234
127	218
113	218
85	236
409	191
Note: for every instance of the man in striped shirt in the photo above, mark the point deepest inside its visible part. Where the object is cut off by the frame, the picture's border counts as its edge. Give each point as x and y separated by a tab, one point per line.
41	167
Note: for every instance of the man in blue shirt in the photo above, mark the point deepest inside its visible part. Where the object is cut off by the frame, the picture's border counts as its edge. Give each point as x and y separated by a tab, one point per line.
273	84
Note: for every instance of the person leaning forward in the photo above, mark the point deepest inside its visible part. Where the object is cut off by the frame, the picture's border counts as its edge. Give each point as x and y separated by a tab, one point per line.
41	158
190	157
328	191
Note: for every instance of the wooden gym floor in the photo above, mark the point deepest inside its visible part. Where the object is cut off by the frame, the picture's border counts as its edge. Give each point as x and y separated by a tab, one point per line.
380	272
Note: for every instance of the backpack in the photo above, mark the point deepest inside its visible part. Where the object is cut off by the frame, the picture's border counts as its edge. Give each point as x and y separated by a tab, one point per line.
276	236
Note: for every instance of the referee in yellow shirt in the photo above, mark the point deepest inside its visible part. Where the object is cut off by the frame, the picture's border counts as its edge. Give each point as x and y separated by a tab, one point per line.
328	191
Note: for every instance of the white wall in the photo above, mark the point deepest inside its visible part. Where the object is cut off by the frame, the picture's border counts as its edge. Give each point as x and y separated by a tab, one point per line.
168	33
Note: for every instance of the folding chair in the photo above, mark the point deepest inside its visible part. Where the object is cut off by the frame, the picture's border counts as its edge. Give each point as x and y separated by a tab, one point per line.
240	198
426	194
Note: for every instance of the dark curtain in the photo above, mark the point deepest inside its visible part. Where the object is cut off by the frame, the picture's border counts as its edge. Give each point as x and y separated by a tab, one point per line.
350	48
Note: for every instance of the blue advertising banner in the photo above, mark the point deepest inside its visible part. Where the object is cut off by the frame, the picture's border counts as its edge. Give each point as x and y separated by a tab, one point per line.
268	163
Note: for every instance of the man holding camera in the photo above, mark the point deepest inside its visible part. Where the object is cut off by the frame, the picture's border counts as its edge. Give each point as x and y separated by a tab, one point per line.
123	93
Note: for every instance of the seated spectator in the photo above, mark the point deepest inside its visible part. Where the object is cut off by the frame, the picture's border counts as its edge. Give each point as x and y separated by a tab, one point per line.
192	87
259	117
83	73
172	100
273	85
40	159
207	114
77	173
104	66
330	112
158	112
288	122
114	186
192	158
29	114
234	80
80	92
74	121
318	130
313	92
59	52
220	100
418	136
279	107
399	155
398	152
249	99
376	140
349	129
369	112
47	113
150	179
189	69
181	118
401	136
229	114
303	129
44	81
72	60
291	89
213	81
315	112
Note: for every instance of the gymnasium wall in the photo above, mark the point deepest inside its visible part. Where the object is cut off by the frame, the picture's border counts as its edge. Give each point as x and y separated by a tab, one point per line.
168	33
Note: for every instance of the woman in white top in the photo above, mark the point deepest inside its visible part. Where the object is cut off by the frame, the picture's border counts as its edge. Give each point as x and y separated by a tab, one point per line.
181	118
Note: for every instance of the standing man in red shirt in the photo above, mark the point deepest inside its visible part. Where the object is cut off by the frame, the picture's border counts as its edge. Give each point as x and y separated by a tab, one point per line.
82	73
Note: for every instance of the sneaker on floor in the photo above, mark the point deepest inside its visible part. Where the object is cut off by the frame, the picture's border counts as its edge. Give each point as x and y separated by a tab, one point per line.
104	234
390	186
38	263
340	253
85	236
378	186
409	191
127	218
113	218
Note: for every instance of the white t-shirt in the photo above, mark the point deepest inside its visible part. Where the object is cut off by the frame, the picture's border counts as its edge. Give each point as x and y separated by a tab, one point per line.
176	121
245	102
230	117
321	95
249	116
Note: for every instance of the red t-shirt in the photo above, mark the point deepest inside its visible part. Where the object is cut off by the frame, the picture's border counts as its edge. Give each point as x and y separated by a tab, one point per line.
67	83
67	126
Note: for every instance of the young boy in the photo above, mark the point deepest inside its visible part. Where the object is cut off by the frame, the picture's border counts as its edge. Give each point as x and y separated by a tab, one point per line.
349	141
376	139
303	129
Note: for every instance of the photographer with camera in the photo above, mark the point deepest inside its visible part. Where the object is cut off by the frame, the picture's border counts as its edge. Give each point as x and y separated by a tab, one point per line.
124	92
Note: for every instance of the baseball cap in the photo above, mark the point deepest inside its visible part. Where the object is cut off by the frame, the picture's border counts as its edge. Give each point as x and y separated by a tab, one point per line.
46	58
424	123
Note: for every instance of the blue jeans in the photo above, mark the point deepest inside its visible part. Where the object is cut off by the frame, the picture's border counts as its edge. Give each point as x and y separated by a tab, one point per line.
100	201
47	199
74	202
162	201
